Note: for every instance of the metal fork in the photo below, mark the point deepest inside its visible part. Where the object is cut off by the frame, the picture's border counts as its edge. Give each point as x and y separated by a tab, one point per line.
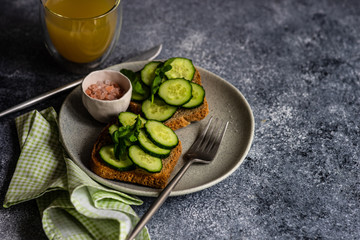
203	150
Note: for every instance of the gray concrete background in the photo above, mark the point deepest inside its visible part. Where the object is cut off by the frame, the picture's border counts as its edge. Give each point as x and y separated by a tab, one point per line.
297	63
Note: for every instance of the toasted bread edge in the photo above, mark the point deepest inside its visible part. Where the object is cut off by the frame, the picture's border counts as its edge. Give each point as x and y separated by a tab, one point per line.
137	176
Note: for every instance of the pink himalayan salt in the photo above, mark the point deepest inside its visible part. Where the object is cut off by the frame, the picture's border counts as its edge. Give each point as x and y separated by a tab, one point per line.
105	90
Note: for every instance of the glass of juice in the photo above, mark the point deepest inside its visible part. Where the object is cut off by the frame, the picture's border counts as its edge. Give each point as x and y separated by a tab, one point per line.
80	34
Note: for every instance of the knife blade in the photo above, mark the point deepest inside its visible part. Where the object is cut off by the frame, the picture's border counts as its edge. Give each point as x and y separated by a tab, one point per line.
149	54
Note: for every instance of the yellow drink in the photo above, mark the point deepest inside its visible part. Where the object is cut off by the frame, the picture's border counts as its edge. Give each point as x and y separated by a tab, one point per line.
79	29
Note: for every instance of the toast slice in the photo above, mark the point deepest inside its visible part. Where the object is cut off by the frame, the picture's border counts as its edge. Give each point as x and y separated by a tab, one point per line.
137	176
182	116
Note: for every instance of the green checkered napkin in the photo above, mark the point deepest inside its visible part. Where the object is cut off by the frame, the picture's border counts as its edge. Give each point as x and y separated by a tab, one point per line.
72	205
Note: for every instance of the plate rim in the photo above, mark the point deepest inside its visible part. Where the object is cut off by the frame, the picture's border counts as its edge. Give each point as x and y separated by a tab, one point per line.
155	192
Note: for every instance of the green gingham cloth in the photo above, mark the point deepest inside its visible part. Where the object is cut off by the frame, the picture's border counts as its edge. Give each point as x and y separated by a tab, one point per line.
71	204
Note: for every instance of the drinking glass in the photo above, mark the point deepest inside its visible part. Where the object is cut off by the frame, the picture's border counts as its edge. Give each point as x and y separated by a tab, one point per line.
80	34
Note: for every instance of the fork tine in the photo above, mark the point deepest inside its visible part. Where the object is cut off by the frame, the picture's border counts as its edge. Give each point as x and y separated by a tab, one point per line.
199	139
217	140
207	144
209	137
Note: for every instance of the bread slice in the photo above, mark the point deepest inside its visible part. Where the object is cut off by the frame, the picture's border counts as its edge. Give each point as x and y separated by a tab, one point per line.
182	117
137	176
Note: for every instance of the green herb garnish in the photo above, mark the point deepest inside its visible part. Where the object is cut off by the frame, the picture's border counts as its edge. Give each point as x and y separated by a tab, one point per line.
125	136
136	83
159	76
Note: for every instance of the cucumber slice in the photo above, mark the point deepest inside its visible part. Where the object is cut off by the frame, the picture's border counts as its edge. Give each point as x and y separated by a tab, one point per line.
181	68
129	118
158	110
107	154
161	135
144	160
113	128
149	147
148	72
198	95
175	92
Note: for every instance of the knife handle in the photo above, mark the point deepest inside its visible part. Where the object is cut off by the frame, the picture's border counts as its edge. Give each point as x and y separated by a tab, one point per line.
39	98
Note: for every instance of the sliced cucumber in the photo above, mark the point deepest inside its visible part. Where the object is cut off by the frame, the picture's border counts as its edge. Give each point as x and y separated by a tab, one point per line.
129	118
149	147
113	128
148	72
107	154
198	95
175	92
161	135
158	110
181	68
144	160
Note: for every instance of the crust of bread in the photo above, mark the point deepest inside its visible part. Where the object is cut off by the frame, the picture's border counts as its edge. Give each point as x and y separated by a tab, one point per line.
182	117
137	176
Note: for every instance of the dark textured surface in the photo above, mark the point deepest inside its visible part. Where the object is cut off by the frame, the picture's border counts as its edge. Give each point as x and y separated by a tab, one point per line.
298	65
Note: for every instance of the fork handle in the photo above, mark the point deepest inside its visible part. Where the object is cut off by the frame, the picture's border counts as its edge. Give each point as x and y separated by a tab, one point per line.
159	201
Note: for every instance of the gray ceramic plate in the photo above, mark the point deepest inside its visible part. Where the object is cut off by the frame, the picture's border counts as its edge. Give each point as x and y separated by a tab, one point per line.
79	131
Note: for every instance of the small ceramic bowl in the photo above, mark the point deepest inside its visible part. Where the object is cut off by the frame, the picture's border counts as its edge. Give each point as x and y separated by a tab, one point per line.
105	110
